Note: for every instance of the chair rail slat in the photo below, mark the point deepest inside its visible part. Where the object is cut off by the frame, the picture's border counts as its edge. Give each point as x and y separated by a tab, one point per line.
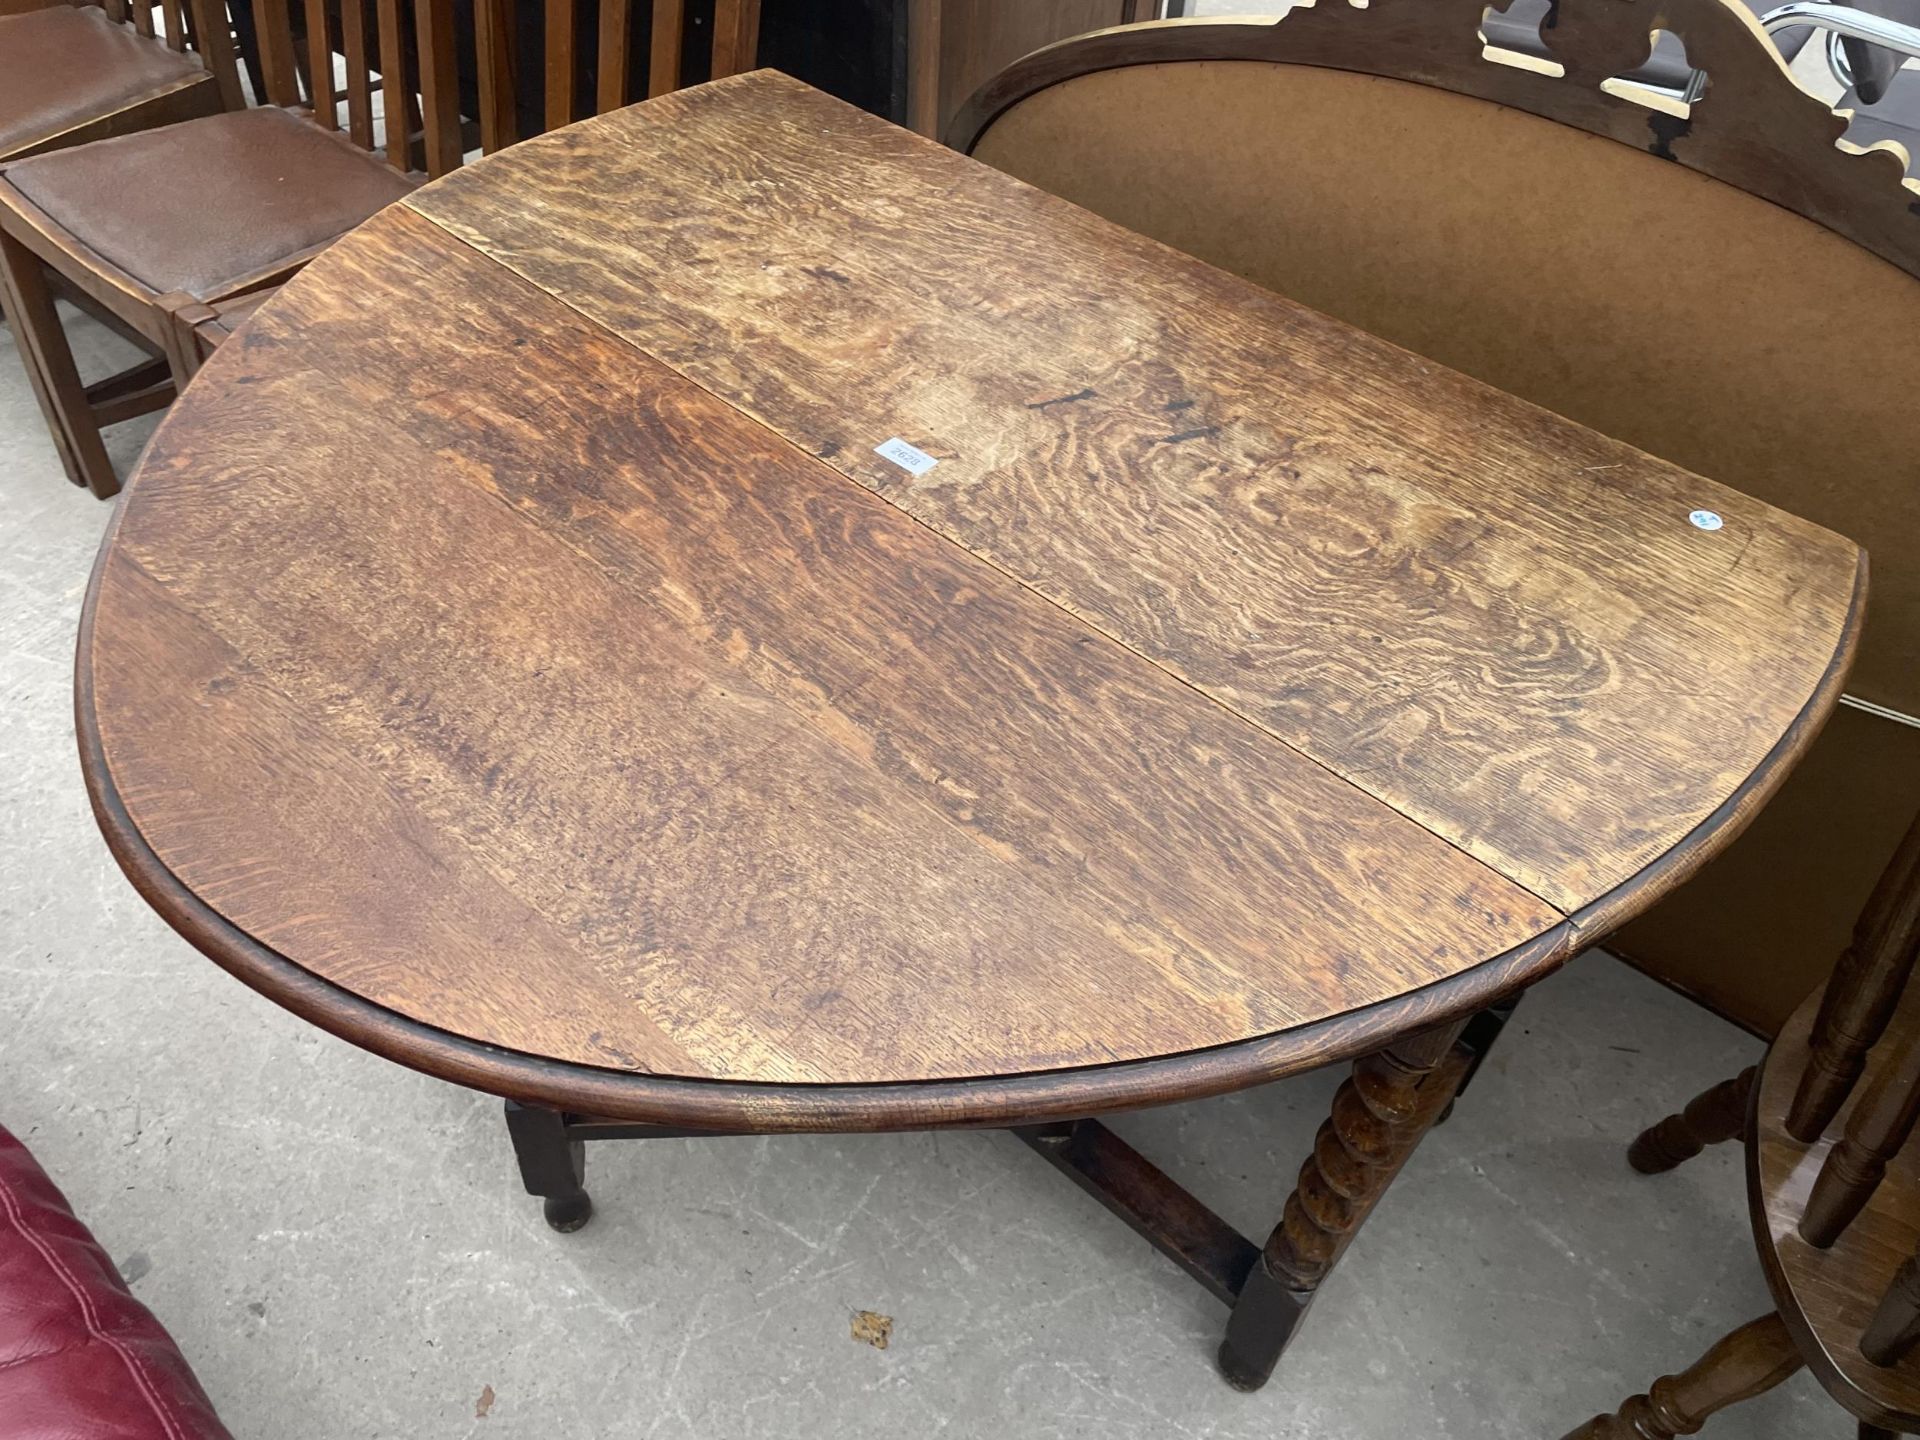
663	54
213	38
353	42
559	79
616	33
439	84
395	88
173	23
736	36
320	83
276	53
493	45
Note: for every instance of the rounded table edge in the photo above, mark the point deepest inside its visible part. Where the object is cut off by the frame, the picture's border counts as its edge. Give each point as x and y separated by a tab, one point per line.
761	1107
1639	892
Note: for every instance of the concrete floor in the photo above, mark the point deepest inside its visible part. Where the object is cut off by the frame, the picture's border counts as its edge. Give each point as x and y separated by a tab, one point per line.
342	1250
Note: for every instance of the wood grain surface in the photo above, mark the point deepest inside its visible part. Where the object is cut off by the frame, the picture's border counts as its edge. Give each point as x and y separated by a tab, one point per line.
500	668
1828	1296
1496	621
765	779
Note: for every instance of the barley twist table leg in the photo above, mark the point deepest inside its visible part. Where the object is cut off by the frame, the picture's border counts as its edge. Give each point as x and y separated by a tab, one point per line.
1380	1113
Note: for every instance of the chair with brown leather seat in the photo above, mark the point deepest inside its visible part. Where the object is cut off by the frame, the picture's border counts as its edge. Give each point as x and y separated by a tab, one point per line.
74	72
172	231
193	214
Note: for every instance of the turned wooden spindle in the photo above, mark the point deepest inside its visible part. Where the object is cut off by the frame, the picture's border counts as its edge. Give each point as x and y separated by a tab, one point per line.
1896	1324
1355	1155
1861	996
1754	1358
1711	1118
1854	1168
1380	1113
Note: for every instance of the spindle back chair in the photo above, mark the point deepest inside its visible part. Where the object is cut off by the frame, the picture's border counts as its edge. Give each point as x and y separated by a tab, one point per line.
323	56
1833	1190
173	20
466	61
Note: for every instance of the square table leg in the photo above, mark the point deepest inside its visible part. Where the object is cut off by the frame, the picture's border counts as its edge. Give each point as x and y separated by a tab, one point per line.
553	1164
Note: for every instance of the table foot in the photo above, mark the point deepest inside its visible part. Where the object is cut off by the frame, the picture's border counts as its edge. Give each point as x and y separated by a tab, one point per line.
567	1213
1264	1318
553	1165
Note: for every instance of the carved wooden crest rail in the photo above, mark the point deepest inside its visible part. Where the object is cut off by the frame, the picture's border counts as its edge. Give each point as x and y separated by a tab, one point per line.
1753	126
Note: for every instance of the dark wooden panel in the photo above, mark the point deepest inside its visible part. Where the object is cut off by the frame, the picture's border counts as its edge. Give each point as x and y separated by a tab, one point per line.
1496	621
975	39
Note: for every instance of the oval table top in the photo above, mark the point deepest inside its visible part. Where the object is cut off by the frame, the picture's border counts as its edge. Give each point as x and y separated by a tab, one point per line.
732	614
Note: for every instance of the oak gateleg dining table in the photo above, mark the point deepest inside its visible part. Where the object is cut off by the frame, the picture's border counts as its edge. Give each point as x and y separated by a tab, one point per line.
731	618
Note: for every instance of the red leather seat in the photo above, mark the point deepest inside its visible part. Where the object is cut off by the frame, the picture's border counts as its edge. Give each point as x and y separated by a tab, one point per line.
80	1358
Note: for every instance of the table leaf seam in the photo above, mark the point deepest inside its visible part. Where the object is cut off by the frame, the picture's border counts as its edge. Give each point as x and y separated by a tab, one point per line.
1024	585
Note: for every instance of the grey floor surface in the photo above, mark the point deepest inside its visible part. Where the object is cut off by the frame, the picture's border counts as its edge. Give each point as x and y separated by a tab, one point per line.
341	1249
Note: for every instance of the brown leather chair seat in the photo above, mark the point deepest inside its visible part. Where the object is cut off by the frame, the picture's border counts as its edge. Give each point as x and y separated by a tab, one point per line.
200	207
64	66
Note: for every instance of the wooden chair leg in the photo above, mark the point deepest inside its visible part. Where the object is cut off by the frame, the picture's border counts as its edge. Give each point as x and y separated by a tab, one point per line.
1870	1431
43	346
551	1166
1712	1118
1750	1361
1379	1115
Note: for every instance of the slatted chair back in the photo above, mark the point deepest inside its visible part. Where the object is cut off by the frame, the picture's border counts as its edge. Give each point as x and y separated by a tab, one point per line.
173	19
587	69
1895	1328
179	29
1868	981
331	58
1862	999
